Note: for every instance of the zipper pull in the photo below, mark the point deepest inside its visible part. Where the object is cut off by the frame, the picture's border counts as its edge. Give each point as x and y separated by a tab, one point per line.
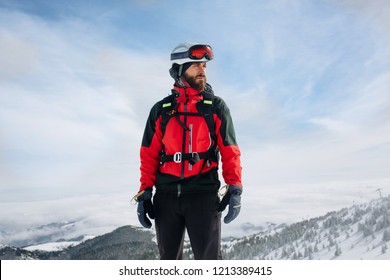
178	190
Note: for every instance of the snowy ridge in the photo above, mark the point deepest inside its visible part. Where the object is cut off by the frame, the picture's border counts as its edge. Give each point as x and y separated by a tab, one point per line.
126	242
57	246
359	232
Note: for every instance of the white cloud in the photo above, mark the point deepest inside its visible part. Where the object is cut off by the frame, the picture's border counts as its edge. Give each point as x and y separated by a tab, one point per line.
377	11
89	214
142	77
17	56
334	125
76	115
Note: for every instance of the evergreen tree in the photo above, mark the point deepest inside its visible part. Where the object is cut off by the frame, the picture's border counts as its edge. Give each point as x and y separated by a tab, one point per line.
338	251
386	236
384	248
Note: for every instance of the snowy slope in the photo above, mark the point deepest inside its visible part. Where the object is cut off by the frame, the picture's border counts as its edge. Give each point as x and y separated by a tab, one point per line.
359	232
57	246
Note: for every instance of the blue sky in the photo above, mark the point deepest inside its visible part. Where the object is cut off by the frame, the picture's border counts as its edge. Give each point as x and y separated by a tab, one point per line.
307	83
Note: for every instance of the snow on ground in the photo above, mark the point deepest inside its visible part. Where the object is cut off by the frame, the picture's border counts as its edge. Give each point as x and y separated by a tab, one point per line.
56	246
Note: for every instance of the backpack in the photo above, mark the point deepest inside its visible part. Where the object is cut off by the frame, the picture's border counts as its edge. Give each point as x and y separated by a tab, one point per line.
206	110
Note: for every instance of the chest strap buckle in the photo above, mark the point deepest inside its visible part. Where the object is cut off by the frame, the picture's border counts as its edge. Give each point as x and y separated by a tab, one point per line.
177	157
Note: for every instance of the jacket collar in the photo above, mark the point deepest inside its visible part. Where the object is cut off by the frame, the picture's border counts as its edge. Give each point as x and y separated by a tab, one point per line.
186	91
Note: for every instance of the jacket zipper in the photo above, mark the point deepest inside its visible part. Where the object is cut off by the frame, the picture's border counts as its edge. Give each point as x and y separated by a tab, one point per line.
183	147
190	145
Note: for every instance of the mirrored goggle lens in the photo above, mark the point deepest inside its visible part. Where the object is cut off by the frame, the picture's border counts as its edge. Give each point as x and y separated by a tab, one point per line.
201	51
195	52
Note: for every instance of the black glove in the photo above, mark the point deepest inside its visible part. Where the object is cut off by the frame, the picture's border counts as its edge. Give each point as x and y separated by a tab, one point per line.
233	198
145	206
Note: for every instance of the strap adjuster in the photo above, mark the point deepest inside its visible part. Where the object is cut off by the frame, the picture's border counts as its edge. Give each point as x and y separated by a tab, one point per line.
194	158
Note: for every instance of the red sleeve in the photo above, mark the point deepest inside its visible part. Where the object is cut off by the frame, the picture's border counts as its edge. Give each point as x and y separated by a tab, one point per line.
230	152
150	151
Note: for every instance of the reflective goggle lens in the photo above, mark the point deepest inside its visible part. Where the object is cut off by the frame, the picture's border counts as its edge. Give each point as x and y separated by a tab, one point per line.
201	51
196	52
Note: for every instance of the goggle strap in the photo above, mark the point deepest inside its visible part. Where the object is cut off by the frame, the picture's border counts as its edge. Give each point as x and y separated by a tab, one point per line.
175	56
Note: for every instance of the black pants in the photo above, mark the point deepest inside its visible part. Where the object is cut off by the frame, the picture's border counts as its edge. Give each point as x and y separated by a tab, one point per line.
195	212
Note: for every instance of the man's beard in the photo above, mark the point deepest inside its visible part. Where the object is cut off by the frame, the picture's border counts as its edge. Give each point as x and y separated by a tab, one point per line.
196	84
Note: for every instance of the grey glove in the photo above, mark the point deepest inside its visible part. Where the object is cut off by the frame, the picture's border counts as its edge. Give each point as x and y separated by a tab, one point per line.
145	206
233	198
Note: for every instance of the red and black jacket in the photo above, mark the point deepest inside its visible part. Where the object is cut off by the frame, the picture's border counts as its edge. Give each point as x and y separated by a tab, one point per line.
169	145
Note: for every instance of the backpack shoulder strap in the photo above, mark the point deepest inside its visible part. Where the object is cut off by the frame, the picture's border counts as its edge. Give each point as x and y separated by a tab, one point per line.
206	108
168	109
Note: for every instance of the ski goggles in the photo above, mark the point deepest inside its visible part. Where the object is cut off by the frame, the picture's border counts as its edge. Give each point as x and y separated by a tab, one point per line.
195	52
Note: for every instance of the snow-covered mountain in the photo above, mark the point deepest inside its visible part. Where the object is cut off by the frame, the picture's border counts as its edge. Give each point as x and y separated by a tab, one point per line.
126	242
359	232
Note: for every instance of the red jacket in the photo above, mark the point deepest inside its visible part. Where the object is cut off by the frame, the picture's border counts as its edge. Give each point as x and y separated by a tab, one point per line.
189	136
